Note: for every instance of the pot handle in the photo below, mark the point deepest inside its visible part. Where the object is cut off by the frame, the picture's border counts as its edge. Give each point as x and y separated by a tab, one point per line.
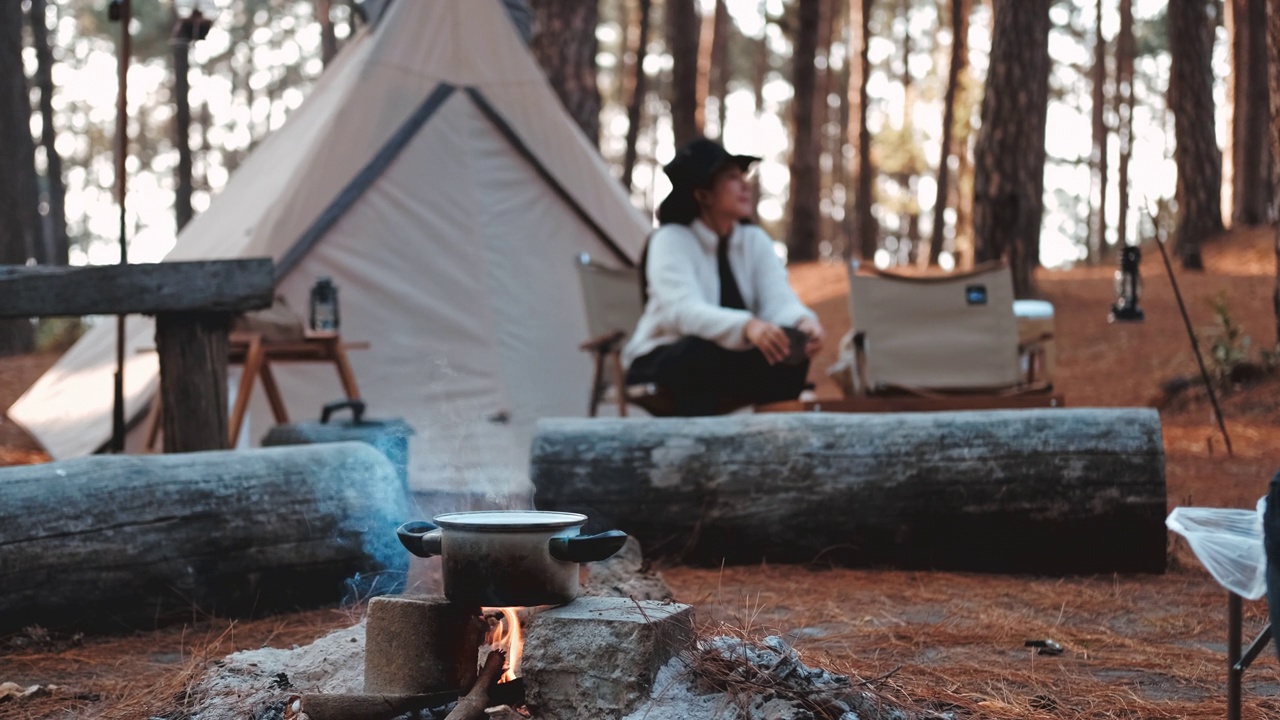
420	537
587	548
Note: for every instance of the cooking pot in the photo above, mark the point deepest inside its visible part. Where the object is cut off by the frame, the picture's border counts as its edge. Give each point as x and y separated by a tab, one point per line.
503	558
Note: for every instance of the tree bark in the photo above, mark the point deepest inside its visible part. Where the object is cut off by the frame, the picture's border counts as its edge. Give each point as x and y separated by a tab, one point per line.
721	68
1197	155
639	88
565	45
1273	53
863	231
55	235
1124	115
806	181
1251	172
1098	231
328	39
1048	491
959	38
128	541
682	42
1009	157
182	132
18	193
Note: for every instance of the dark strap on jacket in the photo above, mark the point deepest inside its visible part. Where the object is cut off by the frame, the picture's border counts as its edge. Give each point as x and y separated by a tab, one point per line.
730	293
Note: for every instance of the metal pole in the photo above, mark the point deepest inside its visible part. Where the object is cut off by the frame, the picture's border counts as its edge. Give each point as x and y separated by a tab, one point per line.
1235	617
121	152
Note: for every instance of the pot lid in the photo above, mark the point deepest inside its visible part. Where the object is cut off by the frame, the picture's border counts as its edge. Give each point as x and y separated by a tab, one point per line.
509	520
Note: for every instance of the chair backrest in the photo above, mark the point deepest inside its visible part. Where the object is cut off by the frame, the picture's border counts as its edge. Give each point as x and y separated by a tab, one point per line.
611	297
947	332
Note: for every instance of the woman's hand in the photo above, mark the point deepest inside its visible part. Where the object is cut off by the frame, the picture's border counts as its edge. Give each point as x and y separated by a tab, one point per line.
769	338
812	328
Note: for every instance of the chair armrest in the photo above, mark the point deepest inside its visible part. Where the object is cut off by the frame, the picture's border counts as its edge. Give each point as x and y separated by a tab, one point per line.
608	343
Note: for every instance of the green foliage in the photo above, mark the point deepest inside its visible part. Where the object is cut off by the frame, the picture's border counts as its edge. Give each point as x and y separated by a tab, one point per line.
1229	349
56	334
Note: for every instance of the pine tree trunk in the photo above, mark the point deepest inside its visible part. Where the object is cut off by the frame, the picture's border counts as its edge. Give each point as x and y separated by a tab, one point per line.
565	46
639	88
959	34
1251	172
1010	153
1124	115
825	79
840	235
1098	231
1273	52
18	190
1198	158
864	232
802	233
721	68
56	220
682	41
182	132
761	69
328	40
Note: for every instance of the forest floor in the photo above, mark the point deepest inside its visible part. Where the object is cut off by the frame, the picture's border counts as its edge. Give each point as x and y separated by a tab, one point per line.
1136	646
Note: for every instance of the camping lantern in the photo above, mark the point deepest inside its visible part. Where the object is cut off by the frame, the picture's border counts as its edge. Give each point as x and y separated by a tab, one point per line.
324	305
1128	287
193	21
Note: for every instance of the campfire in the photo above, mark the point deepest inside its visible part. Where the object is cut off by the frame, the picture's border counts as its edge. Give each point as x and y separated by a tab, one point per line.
505	635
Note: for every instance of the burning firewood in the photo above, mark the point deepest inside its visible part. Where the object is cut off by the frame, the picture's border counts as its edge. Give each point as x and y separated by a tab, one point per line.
472	706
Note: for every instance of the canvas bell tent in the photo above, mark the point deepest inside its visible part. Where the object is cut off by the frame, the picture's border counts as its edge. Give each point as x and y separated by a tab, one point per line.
434	175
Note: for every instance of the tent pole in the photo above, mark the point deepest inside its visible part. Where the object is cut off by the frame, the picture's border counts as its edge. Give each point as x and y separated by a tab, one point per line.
121	151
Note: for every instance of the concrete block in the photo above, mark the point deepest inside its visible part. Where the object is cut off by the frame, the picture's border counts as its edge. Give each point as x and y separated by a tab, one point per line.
420	644
597	657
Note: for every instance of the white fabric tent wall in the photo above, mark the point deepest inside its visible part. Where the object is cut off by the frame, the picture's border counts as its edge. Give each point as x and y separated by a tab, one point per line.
455	262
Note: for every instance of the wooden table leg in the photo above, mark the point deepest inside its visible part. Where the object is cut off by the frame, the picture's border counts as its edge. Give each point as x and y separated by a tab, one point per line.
620	381
252	364
153	423
345	373
273	393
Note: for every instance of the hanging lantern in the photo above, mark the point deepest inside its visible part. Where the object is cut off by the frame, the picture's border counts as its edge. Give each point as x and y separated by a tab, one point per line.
324	305
1128	288
194	21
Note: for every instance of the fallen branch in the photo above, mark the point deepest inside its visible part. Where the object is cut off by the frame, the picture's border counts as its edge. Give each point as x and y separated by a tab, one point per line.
323	706
472	706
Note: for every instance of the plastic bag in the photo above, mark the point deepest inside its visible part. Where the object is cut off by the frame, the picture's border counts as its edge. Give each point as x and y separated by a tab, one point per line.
1228	542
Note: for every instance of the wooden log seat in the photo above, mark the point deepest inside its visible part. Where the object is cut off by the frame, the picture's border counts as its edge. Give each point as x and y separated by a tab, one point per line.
106	541
1036	491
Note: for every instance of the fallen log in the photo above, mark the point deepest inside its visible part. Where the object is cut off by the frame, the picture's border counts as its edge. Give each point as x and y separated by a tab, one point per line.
129	541
1040	491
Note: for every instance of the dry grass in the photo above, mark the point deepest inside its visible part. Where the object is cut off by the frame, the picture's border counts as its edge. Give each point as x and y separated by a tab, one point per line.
1135	646
141	675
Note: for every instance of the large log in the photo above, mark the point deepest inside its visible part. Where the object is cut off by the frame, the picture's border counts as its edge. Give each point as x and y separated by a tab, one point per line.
127	541
200	286
1041	491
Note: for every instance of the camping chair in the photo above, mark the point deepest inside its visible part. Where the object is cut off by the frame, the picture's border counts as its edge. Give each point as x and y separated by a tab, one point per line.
947	334
612	300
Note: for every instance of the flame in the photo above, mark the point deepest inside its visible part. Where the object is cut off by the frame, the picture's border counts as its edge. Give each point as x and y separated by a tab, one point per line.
506	634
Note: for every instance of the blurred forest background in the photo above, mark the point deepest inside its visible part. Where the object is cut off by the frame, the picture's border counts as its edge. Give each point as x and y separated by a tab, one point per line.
903	132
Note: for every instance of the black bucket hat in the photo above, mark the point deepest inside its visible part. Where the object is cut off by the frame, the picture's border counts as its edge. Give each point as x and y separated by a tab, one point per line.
699	161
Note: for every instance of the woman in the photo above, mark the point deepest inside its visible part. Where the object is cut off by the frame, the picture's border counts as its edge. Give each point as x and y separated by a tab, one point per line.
721	325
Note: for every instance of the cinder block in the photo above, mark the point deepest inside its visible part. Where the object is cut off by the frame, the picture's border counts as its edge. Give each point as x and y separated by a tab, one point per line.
597	657
420	644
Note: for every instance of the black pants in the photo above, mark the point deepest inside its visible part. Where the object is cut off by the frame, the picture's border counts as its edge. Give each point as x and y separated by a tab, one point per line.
701	374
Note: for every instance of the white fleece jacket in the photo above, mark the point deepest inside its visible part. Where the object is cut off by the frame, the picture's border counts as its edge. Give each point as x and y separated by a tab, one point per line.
684	288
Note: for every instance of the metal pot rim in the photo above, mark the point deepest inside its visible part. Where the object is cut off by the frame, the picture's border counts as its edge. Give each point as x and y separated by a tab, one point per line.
509	520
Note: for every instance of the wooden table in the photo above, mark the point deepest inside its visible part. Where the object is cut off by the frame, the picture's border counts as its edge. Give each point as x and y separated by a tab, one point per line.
257	356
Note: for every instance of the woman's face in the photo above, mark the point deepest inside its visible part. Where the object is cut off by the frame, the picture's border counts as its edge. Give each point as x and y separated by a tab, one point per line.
729	195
